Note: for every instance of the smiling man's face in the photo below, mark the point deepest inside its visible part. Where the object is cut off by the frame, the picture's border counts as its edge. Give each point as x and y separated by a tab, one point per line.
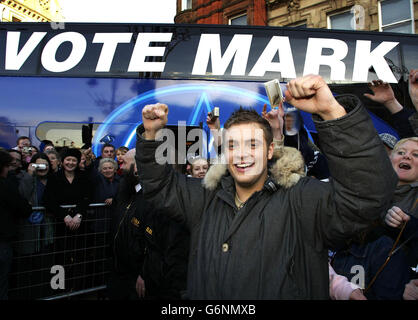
247	154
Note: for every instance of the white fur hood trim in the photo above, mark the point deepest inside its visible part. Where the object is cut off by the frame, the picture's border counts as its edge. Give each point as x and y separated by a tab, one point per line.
286	171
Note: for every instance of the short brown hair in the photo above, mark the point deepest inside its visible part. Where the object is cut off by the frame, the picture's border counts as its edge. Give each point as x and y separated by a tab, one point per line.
250	115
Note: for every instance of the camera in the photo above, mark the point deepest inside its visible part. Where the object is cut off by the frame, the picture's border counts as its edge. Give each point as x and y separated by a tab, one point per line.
27	149
214	114
39	166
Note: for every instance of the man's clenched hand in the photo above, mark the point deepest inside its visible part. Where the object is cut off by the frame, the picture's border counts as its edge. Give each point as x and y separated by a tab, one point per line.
154	118
311	94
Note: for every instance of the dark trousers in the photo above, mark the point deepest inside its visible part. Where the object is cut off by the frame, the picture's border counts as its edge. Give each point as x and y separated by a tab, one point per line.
6	256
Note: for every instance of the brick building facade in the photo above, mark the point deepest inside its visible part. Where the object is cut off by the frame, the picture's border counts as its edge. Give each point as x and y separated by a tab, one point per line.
374	15
252	12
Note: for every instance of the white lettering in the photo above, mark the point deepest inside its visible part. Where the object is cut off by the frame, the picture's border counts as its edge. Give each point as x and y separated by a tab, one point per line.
364	59
359	276
286	66
165	152
58	281
143	50
314	58
48	57
210	46
110	42
14	59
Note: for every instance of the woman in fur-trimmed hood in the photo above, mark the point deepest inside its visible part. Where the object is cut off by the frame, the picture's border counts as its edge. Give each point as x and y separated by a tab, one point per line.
272	242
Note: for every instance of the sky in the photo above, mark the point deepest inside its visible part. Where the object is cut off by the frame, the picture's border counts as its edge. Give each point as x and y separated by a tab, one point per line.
139	11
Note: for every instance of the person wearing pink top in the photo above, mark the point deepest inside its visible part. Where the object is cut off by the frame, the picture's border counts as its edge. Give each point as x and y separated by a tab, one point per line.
342	289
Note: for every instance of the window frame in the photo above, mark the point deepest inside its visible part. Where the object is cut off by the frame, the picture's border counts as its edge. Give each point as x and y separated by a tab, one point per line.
400	22
336	14
237	16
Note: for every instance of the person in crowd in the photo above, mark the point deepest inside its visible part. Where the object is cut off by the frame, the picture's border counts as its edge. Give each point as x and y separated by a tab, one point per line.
370	250
87	160
411	290
46	145
241	210
108	151
149	251
198	167
27	153
16	164
389	142
390	283
54	159
342	289
17	170
382	93
288	130
32	188
82	164
69	186
120	152
12	206
22	142
295	135
35	234
413	94
107	182
404	207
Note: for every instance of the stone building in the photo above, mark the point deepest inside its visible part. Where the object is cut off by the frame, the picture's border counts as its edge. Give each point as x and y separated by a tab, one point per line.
30	11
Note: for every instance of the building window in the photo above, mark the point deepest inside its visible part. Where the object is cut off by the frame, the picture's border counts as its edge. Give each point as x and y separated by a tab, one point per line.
240	20
298	25
341	21
14	19
186	4
396	16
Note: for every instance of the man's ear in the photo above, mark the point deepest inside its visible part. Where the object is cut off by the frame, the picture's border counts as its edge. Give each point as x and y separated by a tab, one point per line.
270	151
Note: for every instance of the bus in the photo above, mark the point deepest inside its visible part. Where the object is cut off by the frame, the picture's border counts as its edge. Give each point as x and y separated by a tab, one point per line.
86	83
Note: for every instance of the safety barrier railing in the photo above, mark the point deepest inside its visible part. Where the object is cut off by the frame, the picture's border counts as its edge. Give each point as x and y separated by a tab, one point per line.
52	262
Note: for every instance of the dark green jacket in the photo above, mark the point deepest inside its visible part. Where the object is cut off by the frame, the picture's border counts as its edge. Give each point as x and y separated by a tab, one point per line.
276	247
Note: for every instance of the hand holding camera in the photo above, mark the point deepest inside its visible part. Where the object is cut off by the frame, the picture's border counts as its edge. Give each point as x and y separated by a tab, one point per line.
212	120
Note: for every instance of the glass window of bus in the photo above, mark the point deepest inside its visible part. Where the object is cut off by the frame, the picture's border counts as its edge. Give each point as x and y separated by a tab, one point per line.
396	16
341	21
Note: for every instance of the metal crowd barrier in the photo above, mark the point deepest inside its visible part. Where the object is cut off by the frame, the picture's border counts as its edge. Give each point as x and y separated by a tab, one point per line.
51	262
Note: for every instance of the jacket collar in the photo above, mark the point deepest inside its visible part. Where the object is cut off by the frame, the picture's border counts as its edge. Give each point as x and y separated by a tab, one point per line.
285	172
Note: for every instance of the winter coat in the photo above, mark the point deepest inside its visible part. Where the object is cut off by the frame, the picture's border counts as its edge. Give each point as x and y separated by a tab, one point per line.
275	247
12	206
60	192
404	198
152	245
390	283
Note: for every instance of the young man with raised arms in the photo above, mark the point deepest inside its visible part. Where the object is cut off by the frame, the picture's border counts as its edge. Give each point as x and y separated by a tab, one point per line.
264	233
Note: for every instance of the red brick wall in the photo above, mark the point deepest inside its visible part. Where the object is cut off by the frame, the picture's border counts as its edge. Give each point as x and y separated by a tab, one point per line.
220	11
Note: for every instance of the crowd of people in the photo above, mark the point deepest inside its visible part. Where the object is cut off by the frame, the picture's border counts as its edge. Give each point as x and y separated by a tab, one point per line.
284	217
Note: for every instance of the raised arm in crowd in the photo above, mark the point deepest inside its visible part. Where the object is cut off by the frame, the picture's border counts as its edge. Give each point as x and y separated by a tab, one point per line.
255	230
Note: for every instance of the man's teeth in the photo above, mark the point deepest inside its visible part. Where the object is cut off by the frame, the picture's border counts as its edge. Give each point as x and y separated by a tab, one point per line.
243	165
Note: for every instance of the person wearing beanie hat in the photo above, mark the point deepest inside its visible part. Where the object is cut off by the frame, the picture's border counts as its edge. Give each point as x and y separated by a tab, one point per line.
71	152
69	186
